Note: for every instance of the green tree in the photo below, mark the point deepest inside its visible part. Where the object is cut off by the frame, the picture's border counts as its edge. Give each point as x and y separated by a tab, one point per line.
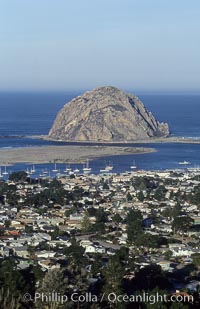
196	259
122	255
11	278
55	233
117	218
195	198
112	275
28	229
18	176
12	197
86	224
150	277
75	253
96	265
105	186
160	193
9	301
70	211
54	281
182	224
134	225
101	218
176	211
7	223
129	197
140	196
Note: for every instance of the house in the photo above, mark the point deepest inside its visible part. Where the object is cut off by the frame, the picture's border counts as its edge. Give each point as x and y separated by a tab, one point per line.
21	251
49	264
76	217
165	265
45	254
182	251
85	243
94	249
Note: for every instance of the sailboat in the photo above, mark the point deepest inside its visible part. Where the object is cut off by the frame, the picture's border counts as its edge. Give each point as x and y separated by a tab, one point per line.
87	169
27	171
33	170
5	171
55	168
107	168
42	173
134	165
68	169
104	170
76	170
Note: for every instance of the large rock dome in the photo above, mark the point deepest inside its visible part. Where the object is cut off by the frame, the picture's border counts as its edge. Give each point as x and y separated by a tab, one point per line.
106	114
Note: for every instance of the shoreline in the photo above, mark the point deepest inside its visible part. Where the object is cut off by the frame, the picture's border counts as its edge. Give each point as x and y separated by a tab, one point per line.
170	139
65	154
157	140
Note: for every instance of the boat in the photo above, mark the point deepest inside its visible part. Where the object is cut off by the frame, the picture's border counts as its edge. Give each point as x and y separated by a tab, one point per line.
55	169
184	163
27	171
134	165
68	169
109	167
5	171
87	169
33	170
104	170
76	170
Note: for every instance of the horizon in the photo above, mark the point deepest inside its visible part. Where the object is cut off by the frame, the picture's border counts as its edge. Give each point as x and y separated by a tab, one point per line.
64	46
80	91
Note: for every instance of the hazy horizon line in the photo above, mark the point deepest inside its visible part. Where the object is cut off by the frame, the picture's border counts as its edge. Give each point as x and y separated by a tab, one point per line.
82	90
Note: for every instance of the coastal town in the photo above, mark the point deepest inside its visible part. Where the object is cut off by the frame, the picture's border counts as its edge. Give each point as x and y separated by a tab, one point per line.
99	154
123	233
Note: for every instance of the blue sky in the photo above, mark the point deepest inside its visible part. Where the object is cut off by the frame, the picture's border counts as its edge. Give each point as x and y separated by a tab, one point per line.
81	44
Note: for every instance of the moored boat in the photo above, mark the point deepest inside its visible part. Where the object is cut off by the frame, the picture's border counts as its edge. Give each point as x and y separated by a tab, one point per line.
184	163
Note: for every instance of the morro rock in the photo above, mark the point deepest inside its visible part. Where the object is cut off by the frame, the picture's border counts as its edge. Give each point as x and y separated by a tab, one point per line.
106	114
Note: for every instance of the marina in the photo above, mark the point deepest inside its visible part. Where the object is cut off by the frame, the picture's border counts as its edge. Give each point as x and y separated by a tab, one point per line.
120	164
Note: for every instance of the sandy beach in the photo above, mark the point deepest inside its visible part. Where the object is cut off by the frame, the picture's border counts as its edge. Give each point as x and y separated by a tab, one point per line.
64	154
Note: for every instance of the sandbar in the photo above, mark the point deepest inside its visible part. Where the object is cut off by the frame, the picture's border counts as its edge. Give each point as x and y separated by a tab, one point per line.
65	154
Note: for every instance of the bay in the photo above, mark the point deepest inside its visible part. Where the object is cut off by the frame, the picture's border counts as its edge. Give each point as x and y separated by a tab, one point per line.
25	114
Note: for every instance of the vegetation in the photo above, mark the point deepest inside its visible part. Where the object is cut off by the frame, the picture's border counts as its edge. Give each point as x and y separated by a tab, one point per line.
134	225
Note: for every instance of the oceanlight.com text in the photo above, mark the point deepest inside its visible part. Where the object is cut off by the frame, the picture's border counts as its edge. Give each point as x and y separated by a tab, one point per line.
110	298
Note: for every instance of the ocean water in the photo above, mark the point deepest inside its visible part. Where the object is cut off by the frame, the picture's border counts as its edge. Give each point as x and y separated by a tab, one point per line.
25	114
180	111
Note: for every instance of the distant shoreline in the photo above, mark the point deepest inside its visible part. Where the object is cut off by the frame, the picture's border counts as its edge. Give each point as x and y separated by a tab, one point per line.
170	139
64	154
